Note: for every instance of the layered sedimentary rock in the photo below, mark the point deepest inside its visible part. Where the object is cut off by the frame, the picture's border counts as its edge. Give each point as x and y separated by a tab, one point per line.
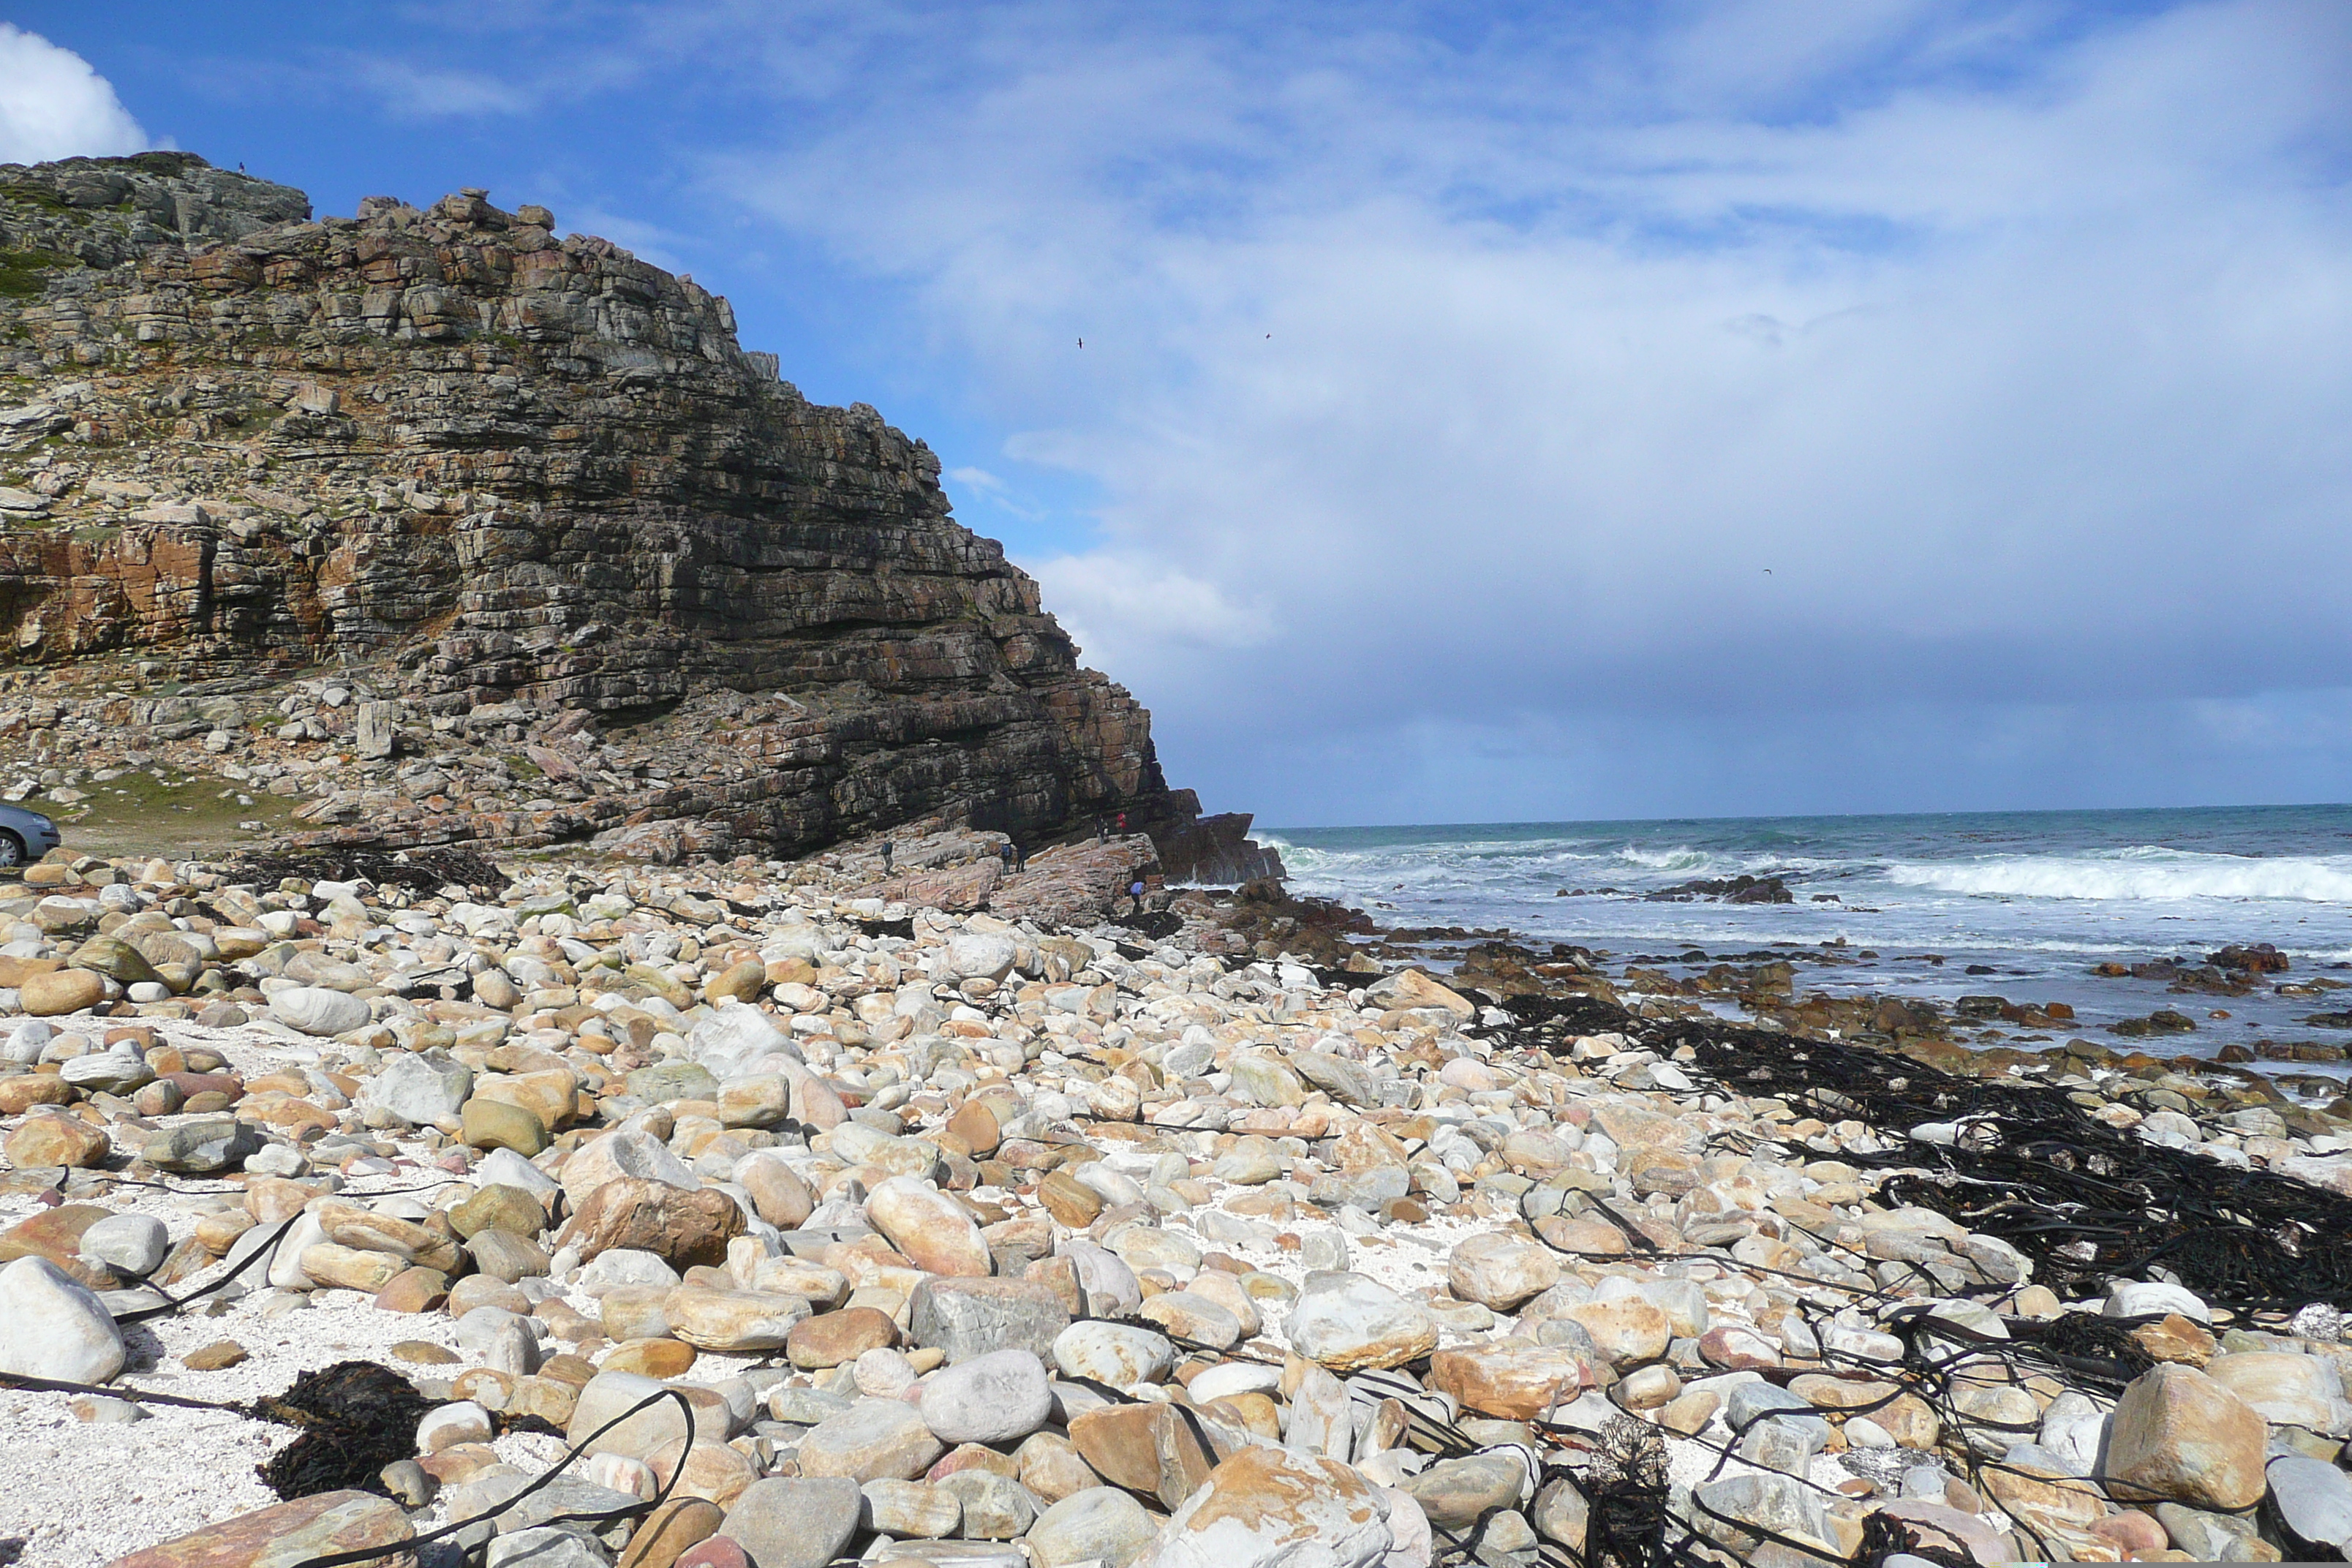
509	487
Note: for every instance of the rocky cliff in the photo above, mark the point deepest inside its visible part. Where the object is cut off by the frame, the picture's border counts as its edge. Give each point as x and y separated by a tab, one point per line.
462	531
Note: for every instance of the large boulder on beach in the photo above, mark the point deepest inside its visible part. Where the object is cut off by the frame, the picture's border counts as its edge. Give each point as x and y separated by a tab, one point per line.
2181	1437
55	1328
1351	1323
289	1533
319	1010
1267	1508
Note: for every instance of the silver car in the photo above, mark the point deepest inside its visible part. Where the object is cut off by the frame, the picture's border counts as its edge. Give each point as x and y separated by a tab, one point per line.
25	836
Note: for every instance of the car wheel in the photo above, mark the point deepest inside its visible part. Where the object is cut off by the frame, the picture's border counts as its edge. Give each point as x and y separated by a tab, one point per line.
11	851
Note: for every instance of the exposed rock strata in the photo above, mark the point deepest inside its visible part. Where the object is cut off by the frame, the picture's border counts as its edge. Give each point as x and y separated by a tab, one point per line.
518	493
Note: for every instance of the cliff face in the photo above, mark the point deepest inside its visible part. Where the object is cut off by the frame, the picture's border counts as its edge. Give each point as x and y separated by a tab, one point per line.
506	488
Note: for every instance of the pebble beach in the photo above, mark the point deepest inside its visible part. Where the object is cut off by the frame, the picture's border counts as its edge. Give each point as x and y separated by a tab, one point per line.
1027	1242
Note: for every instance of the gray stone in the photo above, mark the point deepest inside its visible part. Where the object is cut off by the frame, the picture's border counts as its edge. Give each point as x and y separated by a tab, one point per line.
2314	1498
372	737
874	1440
1000	1397
1323	1252
1100	1524
493	1500
105	1072
1455	1492
1561	1513
665	1081
971	955
316	1010
967	1318
500	1339
504	1167
804	1406
1351	1323
2209	1537
1505	1541
420	1089
794	1521
1746	1404
606	1396
995	1508
1735	1509
1349	1082
202	1146
547	1545
26	1041
1108	1285
733	1038
911	1507
617	1267
409	1483
131	1244
1780	1445
1366	1189
2154	1298
1120	1354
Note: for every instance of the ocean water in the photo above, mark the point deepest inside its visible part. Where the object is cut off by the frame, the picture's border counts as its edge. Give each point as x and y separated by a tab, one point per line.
2038	897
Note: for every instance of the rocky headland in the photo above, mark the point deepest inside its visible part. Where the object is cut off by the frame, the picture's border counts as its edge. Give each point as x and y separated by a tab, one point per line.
457	531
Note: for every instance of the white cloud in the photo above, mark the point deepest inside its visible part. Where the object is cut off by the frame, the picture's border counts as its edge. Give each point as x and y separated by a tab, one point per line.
979	484
427	92
1477	384
52	105
1124	609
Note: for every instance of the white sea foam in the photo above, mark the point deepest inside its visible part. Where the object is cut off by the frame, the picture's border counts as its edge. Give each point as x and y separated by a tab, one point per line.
2141	874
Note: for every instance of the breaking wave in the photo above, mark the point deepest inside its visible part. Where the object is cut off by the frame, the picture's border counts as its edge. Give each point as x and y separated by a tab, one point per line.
2146	874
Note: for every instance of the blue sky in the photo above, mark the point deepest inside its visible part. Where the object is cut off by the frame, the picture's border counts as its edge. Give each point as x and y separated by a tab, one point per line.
1709	407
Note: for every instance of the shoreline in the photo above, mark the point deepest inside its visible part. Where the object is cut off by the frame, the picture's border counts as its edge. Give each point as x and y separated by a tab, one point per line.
1288	1173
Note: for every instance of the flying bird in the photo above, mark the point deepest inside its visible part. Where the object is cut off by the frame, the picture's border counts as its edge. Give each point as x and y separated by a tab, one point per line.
1082	343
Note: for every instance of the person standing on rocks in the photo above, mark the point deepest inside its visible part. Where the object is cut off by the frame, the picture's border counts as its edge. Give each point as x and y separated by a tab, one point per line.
1136	892
1005	852
889	852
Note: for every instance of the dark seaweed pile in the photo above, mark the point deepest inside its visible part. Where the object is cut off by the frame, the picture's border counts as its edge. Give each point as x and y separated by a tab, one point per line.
2086	1202
424	871
355	1419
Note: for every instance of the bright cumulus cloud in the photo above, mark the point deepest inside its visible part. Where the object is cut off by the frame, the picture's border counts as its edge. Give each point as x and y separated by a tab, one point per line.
52	105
